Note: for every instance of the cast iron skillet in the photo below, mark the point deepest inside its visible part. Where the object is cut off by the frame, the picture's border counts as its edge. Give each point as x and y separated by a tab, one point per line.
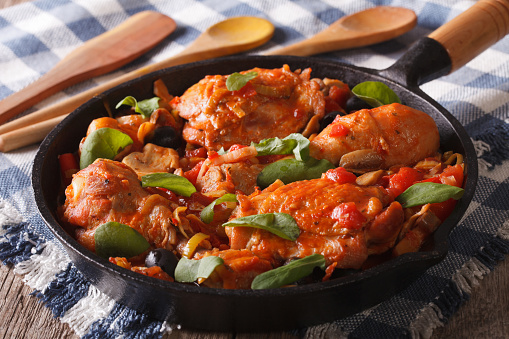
261	310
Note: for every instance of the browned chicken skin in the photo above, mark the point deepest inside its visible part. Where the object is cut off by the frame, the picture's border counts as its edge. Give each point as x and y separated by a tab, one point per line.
344	237
110	191
378	138
276	103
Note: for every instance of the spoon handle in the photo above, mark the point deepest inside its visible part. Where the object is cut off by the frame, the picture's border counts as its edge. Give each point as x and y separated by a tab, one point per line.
97	56
68	105
473	31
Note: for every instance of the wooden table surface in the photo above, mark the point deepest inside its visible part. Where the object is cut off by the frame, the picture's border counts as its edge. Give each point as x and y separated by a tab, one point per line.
485	315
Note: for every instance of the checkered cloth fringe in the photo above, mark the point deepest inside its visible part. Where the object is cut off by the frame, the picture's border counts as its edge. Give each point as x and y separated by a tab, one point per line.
34	36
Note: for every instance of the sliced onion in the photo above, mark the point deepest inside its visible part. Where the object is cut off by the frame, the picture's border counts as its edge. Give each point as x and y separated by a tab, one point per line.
235	156
273	92
145	129
176	216
193	243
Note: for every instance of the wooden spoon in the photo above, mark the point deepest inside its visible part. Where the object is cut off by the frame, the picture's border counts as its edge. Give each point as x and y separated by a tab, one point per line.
97	56
230	36
363	28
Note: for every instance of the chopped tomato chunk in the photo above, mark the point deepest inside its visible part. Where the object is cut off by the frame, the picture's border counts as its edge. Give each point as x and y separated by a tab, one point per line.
192	175
405	178
455	172
443	209
213	155
340	95
338	130
451	175
340	175
348	215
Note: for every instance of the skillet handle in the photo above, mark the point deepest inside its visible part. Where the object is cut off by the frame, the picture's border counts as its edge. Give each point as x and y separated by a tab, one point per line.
452	45
473	31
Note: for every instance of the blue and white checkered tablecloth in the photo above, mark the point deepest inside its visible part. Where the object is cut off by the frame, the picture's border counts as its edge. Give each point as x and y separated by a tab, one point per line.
36	35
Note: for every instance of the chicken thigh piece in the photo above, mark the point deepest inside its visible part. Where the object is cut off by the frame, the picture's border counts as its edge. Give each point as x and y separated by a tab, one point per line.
110	191
378	138
342	221
276	103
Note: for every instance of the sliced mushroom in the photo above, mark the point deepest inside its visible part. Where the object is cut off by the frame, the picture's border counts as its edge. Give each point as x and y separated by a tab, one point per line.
370	178
413	239
364	159
153	159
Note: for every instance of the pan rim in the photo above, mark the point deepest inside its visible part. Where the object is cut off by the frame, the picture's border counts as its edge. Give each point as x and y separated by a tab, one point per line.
436	255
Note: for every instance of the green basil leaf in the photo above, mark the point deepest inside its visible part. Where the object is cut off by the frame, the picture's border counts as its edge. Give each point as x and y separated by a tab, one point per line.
144	107
175	183
427	193
114	239
103	143
129	101
295	143
290	170
207	214
375	93
236	81
189	270
148	106
280	224
288	274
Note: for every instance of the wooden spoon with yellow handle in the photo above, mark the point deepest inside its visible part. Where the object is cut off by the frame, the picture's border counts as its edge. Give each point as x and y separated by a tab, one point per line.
233	35
97	56
363	28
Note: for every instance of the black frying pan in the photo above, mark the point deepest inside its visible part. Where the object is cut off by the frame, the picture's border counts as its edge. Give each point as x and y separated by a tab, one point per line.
285	308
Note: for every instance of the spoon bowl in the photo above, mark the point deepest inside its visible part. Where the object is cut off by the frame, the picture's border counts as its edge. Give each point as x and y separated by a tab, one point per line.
363	28
379	19
230	36
242	29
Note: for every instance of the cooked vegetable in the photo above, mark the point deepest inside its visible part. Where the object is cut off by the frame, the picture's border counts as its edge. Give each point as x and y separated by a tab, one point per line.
144	107
68	166
189	270
428	193
103	143
165	136
163	258
294	143
290	170
193	243
236	155
375	93
207	214
280	224
328	119
114	239
172	182
236	80
289	273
